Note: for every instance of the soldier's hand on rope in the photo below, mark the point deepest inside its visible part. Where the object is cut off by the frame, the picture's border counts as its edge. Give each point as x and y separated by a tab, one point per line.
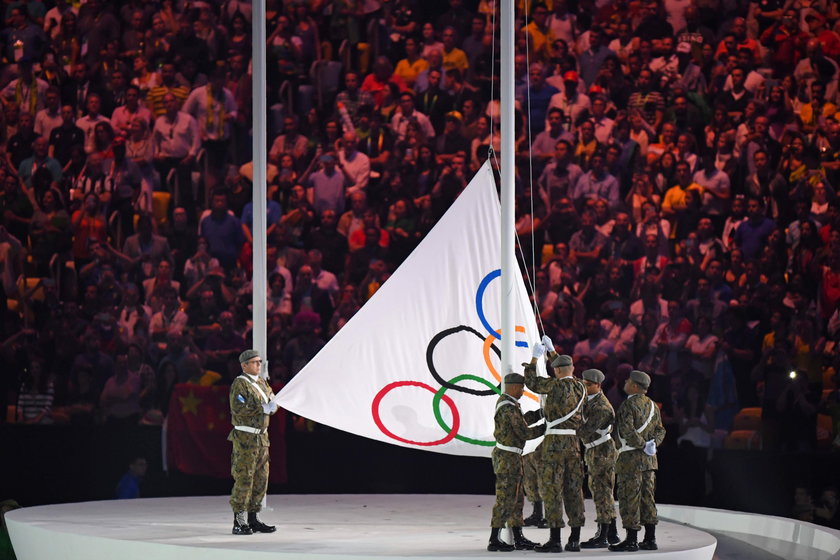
538	350
546	340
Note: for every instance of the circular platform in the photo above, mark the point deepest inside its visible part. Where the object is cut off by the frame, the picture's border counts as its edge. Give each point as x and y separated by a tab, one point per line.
314	526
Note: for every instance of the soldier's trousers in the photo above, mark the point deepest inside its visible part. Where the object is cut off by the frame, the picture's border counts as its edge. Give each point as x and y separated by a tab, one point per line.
531	480
509	501
561	483
249	468
636	502
600	465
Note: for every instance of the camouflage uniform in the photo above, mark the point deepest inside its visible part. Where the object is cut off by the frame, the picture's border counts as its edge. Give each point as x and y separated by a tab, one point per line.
635	470
511	431
249	460
561	467
531	479
598	417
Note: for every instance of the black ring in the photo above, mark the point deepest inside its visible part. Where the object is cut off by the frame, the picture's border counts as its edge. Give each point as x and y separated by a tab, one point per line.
430	351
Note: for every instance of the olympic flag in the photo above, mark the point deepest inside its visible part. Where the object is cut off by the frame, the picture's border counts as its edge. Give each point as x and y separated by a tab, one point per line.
418	365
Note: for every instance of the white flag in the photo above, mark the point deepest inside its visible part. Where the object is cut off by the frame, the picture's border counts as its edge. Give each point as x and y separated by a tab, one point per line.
418	365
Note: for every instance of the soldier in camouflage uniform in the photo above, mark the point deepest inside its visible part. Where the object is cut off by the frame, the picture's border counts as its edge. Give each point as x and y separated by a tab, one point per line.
250	408
531	464
599	455
638	432
561	466
511	433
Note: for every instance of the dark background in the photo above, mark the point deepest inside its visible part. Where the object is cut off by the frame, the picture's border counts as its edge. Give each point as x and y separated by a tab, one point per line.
57	464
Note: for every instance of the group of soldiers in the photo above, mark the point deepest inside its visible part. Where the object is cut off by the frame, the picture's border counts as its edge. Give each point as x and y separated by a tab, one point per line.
618	446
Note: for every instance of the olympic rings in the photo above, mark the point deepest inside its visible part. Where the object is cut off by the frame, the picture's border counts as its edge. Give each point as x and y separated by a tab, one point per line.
436	407
439	394
430	362
479	306
488	343
456	418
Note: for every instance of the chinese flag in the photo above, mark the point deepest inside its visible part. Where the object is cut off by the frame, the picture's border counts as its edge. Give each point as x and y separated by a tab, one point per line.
197	427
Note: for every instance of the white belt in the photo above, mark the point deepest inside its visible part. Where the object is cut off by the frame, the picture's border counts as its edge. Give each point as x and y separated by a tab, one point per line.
567	416
249	429
256	387
560	432
516	450
603	439
624	447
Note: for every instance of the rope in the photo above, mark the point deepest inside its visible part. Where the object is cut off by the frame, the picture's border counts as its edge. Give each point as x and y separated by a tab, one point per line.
532	280
492	153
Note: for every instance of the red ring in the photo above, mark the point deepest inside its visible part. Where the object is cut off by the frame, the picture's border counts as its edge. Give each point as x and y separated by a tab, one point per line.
456	418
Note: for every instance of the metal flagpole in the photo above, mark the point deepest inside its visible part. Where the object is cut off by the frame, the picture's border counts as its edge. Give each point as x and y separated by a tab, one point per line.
509	268
259	120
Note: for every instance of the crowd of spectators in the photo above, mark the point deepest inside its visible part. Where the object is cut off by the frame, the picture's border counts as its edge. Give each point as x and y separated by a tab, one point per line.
677	167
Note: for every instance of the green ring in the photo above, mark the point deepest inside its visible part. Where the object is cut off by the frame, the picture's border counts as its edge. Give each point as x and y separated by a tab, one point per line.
439	418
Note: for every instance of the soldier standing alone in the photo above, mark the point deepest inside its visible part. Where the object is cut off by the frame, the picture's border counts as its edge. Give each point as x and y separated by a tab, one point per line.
250	408
599	455
638	432
511	433
561	466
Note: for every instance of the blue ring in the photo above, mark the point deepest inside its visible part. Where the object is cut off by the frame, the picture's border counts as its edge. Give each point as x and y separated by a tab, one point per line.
479	306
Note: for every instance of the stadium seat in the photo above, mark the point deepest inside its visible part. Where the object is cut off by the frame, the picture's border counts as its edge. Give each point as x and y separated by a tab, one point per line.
825	431
160	206
747	419
743	439
829	379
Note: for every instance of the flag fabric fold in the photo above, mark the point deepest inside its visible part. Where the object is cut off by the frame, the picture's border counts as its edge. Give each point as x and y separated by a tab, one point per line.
418	365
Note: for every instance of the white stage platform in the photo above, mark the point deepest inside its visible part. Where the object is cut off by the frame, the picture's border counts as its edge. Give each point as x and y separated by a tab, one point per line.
309	527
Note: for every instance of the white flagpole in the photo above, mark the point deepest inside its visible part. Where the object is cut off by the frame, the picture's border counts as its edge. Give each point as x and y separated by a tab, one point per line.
258	124
259	120
509	268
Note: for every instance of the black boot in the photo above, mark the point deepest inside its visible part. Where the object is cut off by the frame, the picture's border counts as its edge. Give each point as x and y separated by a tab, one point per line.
649	542
258	526
573	544
600	538
240	526
496	544
519	540
536	519
612	533
554	544
627	545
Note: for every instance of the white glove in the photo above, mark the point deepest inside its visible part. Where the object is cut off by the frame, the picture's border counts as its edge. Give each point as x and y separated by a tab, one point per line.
650	448
546	340
269	408
537	350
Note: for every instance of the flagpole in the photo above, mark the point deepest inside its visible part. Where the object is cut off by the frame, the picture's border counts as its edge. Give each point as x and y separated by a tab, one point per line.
259	119
508	264
258	124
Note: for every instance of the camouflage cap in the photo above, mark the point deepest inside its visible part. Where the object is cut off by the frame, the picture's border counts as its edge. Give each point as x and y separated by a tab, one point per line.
516	378
594	375
561	361
640	378
248	355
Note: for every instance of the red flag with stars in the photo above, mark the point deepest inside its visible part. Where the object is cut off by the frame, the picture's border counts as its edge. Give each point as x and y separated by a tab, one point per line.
197	427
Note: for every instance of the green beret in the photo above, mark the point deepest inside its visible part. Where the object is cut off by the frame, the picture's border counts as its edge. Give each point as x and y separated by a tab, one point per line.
640	378
594	375
562	360
514	378
248	355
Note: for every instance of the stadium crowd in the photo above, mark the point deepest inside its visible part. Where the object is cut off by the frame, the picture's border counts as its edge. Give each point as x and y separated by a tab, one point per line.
682	157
